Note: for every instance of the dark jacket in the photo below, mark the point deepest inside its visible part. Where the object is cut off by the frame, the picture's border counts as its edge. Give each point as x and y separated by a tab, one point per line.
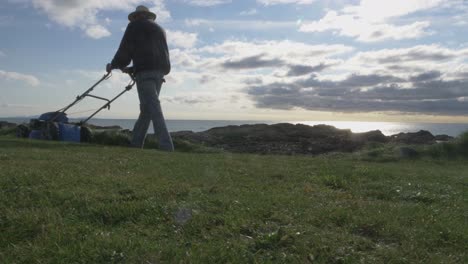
144	42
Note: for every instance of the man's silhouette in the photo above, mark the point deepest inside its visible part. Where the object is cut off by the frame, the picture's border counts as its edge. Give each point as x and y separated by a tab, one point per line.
144	43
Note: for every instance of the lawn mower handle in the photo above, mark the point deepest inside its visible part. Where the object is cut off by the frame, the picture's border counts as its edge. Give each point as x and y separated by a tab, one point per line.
80	97
109	102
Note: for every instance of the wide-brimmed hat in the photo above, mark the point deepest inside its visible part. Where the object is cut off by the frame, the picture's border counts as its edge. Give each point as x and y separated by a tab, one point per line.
141	9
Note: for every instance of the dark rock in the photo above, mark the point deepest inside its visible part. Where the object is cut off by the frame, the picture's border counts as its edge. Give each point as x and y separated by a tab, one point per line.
421	137
443	138
281	138
292	139
371	136
6	125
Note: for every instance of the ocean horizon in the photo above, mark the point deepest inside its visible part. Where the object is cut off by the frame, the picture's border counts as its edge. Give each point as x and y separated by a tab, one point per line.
387	128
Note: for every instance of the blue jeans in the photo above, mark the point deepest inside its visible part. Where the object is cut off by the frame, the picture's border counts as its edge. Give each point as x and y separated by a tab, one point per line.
149	85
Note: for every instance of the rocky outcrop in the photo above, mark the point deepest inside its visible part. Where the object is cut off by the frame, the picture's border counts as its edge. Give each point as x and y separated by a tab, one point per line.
443	138
420	137
282	138
297	139
6	125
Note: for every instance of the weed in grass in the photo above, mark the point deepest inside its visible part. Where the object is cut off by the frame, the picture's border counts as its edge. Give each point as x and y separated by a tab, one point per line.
334	182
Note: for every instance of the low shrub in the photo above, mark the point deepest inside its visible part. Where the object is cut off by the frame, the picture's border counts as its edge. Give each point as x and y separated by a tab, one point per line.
454	149
463	144
112	137
8	131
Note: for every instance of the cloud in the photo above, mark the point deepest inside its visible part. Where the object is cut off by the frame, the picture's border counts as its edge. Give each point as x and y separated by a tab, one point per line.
206	78
246	25
426	76
29	79
181	39
372	10
252	62
280	56
191	100
249	12
419	53
288	50
426	93
263	61
159	7
2	54
207	2
235	63
350	26
97	32
298	70
369	21
84	14
184	58
278	2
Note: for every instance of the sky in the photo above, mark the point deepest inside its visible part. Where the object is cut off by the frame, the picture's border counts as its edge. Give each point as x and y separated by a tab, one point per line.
290	60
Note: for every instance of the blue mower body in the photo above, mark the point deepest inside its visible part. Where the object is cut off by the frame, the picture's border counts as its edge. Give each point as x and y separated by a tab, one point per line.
58	129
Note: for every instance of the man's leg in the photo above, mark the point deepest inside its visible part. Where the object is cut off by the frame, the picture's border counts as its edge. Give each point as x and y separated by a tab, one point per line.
141	126
149	84
159	123
140	129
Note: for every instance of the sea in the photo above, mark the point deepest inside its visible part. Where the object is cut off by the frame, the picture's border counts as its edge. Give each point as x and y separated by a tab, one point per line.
387	128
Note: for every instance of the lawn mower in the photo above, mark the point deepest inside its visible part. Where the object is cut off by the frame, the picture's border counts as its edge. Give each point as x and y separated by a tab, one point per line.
56	126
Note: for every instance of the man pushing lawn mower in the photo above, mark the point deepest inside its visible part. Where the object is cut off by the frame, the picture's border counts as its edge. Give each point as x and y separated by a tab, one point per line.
144	43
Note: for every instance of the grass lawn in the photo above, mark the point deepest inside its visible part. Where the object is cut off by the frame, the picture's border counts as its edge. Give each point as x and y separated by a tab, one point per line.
70	203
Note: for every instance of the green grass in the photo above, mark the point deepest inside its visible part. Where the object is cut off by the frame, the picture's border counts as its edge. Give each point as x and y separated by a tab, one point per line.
72	203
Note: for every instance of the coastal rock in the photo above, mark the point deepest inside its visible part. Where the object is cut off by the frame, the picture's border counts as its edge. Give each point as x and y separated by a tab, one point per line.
443	138
292	139
282	138
420	137
371	136
6	125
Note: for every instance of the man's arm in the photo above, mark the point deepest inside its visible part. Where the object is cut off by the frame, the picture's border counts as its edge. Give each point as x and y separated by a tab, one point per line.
123	56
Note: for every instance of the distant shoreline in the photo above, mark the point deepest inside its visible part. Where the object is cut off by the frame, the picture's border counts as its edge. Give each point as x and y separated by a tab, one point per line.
387	128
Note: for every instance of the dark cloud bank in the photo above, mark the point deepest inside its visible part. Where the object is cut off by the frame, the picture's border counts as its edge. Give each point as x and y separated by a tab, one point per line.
428	94
260	61
424	93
